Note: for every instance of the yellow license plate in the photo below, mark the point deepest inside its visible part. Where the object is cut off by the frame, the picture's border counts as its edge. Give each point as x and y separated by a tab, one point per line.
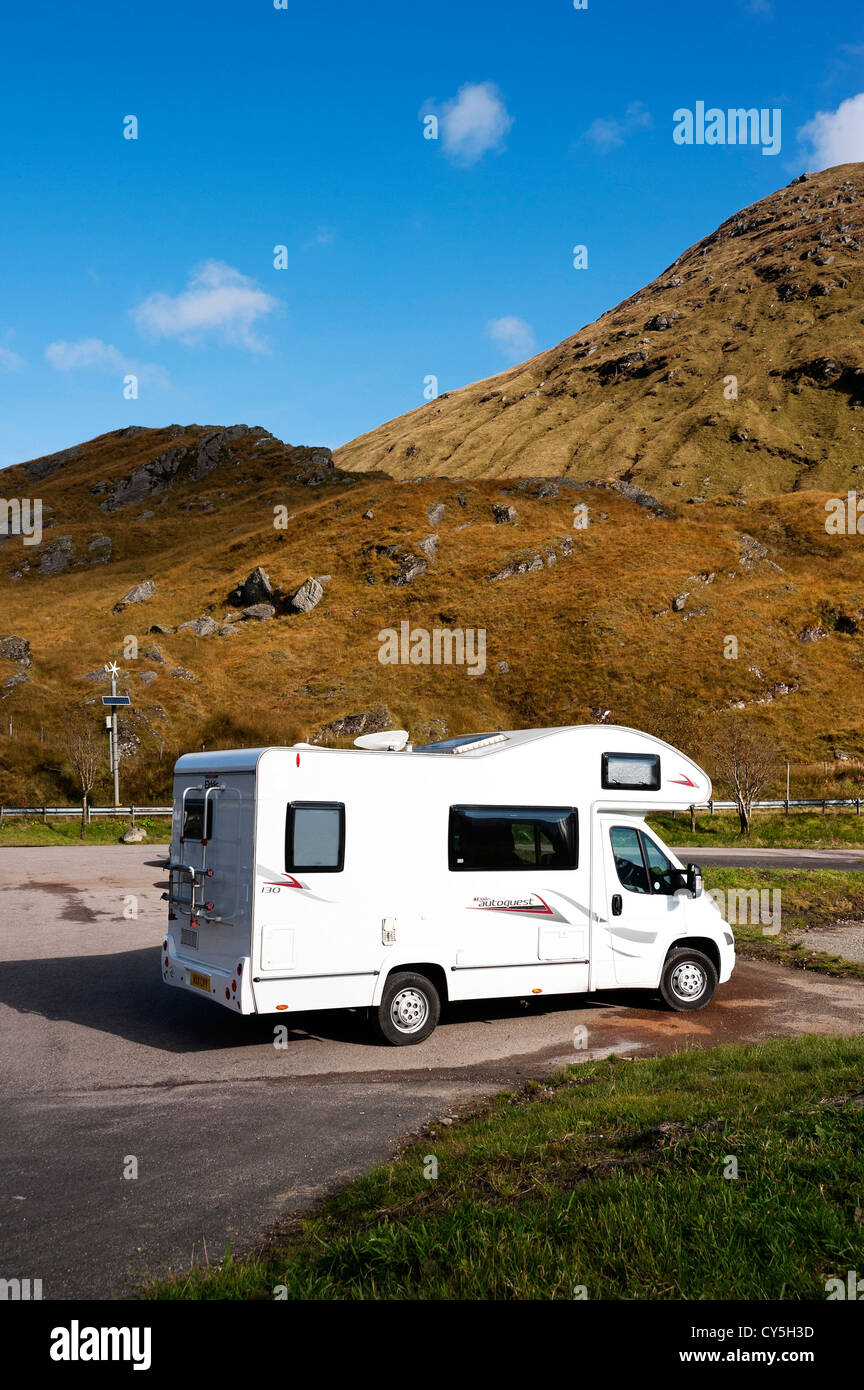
199	981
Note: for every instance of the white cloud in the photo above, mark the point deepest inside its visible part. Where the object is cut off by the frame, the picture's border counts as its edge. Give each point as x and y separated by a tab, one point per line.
475	122
87	352
835	137
514	336
11	361
607	134
94	354
218	301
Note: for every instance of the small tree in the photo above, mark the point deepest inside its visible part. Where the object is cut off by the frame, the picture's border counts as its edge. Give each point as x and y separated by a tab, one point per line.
83	751
744	757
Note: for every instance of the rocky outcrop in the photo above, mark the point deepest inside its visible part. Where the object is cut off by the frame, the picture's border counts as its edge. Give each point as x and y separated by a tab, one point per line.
529	561
54	557
46	467
371	721
191	462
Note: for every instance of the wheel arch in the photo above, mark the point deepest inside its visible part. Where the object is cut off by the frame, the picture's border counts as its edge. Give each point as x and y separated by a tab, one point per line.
705	944
434	972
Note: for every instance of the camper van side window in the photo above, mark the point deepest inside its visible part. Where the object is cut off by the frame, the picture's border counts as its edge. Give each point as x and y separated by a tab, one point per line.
193	818
513	837
315	837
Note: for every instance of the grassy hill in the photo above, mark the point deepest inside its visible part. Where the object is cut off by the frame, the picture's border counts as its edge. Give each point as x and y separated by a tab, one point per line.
627	617
773	297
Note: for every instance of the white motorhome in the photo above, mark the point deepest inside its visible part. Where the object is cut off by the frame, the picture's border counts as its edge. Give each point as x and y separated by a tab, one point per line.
396	879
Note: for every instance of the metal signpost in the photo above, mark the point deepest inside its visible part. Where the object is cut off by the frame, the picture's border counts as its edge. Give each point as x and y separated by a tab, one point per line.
114	700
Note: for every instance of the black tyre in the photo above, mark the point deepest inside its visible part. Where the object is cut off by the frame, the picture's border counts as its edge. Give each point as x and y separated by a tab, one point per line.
409	1010
689	980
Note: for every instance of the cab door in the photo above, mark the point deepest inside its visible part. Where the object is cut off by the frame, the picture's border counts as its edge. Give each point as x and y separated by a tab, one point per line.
645	902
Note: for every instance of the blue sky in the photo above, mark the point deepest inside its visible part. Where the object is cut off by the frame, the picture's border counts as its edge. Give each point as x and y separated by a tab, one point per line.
406	257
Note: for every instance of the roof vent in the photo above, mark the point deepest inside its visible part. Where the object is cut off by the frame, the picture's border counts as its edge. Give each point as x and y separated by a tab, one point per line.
477	743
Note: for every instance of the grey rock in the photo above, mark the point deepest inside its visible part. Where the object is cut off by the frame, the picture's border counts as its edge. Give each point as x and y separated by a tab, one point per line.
260	612
368	515
814	633
304	599
134	835
503	667
255	588
150	652
228	629
410	568
524	562
504	515
202	627
139	593
147	677
180	673
429	546
679	601
660	322
14	648
159	628
435	513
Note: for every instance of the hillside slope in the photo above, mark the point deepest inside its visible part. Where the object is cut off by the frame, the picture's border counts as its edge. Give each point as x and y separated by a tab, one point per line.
625	618
773	297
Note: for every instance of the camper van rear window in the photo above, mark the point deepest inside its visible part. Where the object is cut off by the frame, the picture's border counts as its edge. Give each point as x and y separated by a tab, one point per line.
315	837
628	770
193	818
513	837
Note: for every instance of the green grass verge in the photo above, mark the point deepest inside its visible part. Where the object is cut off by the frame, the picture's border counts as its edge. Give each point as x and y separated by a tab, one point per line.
611	1177
67	831
808	898
768	830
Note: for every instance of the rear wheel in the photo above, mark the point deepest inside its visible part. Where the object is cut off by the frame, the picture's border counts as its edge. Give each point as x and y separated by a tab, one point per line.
409	1010
689	980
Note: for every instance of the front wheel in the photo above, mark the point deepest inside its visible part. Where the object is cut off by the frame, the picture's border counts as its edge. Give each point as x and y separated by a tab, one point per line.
409	1010
689	980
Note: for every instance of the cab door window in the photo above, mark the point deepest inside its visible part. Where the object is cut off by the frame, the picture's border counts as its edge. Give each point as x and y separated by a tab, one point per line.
641	864
629	862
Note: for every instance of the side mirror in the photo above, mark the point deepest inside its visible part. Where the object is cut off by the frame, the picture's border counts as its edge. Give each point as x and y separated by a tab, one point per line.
694	880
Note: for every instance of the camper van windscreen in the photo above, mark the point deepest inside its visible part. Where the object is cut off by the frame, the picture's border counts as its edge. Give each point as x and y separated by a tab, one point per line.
630	770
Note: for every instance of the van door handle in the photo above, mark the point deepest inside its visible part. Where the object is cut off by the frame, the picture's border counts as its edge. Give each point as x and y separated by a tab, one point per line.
616	904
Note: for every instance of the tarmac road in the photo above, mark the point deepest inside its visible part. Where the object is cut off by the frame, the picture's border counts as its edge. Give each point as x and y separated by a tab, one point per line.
774	858
102	1065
